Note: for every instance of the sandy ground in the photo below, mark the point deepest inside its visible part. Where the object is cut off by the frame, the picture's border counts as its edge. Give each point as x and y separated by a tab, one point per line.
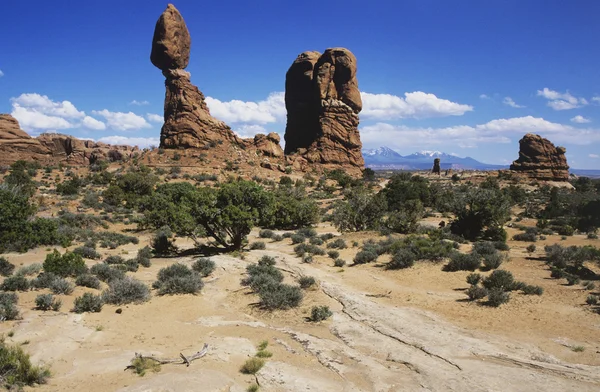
405	330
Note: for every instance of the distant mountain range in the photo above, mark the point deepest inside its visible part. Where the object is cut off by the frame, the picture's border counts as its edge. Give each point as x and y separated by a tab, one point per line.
386	158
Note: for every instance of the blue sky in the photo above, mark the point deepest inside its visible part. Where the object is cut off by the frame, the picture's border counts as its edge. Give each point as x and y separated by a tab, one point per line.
467	77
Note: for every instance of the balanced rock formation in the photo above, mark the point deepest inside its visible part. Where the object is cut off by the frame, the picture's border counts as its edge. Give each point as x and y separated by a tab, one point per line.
51	148
188	122
539	159
16	144
436	166
268	145
323	101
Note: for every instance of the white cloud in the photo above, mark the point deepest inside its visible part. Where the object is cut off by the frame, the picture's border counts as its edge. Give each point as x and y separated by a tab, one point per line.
249	130
155	118
267	111
416	105
92	123
596	99
1	73
509	101
141	142
595	156
122	121
495	131
580	120
32	120
139	103
44	105
561	101
484	96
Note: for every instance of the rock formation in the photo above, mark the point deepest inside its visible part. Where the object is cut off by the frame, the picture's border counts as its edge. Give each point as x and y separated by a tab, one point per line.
268	145
16	144
188	122
436	167
50	148
539	159
323	101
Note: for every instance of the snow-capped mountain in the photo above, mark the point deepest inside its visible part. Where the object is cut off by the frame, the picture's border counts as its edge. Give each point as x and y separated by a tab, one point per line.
386	158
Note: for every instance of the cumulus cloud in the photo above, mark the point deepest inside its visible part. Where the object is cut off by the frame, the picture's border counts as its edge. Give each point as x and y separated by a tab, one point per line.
122	121
484	96
509	101
155	118
139	103
32	120
414	105
249	130
580	120
92	123
267	111
595	156
596	99
495	131
561	101
141	142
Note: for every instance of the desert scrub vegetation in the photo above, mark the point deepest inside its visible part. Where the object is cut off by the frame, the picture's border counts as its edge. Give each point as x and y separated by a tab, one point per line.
252	365
6	267
88	302
496	287
15	283
266	281
141	365
204	266
320	313
178	279
67	264
569	262
8	306
47	302
106	273
125	291
17	369
88	280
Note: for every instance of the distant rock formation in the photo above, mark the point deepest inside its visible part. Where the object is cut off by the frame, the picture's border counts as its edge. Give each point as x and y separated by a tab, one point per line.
268	145
50	148
539	159
16	144
188	122
436	167
323	101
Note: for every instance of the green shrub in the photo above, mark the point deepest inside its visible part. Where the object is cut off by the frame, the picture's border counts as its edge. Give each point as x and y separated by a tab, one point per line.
589	285
474	279
532	290
403	258
162	243
17	368
47	302
298	239
307	232
527	237
501	245
87	253
67	264
277	238
306	282
282	296
106	273
141	365
88	302
592	236
301	249
125	291
475	292
484	248
15	283
316	241
307	258
266	233
463	262
572	279
61	286
177	279
334	254
327	236
88	280
143	257
338	243
497	297
252	366
266	260
499	279
365	256
6	268
258	245
28	270
339	263
320	313
114	259
591	300
530	248
8	306
492	261
204	266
